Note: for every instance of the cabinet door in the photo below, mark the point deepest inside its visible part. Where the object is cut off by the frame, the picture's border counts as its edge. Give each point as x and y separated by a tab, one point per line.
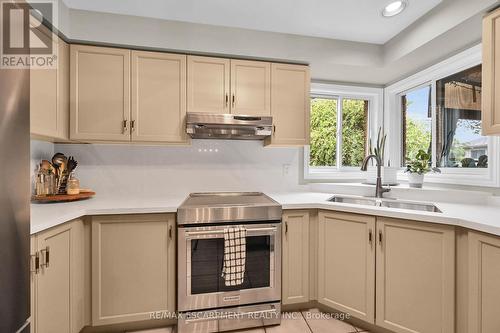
290	85
208	84
133	267
415	276
346	263
491	74
295	257
250	88
100	93
158	97
484	286
59	282
49	96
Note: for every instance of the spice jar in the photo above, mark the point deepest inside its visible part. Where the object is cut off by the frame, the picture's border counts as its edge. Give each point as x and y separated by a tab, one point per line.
73	185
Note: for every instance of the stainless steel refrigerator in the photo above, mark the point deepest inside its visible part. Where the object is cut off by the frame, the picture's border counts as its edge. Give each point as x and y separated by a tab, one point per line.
14	200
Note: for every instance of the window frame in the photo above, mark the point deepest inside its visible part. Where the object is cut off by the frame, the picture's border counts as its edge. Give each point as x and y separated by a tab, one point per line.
375	97
393	122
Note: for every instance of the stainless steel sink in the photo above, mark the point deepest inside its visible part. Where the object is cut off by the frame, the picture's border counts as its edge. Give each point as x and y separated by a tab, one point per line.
426	207
388	203
354	200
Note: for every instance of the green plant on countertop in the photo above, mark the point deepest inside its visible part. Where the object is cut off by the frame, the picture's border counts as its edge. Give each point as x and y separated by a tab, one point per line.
379	149
421	164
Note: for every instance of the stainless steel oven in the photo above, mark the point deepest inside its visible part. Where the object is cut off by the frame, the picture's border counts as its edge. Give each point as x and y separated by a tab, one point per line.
202	219
201	251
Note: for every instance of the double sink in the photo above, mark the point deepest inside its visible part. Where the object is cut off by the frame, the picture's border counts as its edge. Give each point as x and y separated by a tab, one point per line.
385	202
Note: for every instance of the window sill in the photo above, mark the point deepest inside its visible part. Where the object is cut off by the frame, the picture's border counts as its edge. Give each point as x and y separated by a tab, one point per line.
459	176
448	176
344	175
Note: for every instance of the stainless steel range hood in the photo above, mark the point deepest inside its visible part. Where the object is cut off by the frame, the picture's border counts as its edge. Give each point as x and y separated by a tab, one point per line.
228	126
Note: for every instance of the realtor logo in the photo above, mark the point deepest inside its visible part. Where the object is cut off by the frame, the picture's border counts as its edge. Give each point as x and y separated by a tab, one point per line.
25	41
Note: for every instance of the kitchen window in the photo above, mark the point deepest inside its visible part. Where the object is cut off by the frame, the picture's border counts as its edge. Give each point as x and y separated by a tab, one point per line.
342	120
417	121
459	140
439	111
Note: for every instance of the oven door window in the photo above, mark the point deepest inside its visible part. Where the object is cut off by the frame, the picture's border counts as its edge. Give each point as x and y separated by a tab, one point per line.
206	265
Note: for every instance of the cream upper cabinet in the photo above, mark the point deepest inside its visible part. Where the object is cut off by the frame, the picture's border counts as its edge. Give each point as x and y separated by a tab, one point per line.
58	285
158	97
133	267
491	74
250	88
217	85
346	263
208	84
415	276
484	286
49	96
295	237
100	93
290	101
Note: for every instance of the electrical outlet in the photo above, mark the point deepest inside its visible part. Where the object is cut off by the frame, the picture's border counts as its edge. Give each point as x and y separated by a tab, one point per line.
286	169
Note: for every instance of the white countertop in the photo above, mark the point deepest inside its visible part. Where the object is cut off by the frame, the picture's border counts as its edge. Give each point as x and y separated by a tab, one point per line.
482	217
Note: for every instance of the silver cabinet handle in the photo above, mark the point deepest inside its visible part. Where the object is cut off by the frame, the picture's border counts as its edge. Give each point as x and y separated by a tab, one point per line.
234	99
221	232
380	237
35	263
170	232
370	236
286	227
227	99
45	257
132	125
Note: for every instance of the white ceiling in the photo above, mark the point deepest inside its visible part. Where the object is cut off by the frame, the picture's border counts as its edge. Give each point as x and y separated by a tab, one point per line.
354	20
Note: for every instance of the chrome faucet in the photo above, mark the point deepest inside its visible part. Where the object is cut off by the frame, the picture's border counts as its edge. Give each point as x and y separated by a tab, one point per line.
379	189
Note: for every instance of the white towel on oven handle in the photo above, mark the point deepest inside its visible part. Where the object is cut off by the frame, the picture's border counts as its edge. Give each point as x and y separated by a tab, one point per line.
233	270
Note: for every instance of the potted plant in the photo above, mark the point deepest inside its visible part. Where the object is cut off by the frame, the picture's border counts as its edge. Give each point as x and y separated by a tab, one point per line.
389	175
418	167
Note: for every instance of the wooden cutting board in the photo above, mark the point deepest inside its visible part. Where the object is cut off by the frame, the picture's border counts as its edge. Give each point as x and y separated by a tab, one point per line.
63	197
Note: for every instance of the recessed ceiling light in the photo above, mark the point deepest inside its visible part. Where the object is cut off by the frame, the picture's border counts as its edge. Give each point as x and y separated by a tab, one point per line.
394	8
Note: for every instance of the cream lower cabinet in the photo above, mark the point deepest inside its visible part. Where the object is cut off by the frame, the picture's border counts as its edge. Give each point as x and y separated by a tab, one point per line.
346	263
295	262
49	96
158	97
133	267
57	285
415	273
290	104
491	74
484	283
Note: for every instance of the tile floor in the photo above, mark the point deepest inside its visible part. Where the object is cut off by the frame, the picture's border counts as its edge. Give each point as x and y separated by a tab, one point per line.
308	321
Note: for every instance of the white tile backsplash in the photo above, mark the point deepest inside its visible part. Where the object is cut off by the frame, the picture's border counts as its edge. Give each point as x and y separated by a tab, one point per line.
207	165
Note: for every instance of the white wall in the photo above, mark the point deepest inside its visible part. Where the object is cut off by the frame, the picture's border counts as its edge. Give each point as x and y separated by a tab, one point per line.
123	170
452	27
445	17
328	58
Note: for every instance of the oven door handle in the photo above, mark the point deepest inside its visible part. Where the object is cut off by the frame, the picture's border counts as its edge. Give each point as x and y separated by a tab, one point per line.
219	232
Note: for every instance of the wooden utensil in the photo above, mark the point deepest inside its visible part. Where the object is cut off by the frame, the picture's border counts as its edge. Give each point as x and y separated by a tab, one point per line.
59	161
72	164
